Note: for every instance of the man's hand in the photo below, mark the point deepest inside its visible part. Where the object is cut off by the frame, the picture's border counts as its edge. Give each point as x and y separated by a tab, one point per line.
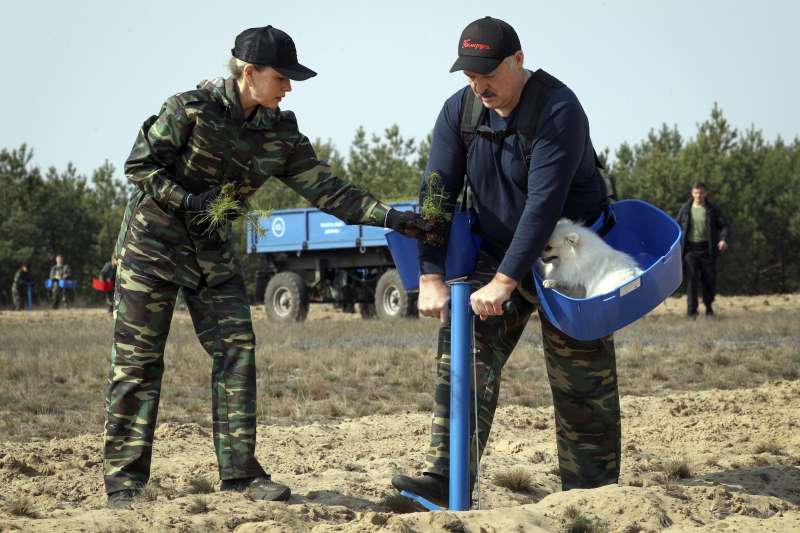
199	202
489	299
434	297
408	223
722	246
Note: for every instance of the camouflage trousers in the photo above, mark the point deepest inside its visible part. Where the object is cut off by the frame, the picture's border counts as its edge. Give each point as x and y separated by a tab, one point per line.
59	296
142	315
583	380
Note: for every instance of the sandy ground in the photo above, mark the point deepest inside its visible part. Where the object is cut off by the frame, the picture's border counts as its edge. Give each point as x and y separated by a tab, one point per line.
340	472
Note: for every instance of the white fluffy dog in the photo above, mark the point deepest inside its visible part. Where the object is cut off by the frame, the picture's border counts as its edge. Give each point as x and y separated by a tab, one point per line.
577	262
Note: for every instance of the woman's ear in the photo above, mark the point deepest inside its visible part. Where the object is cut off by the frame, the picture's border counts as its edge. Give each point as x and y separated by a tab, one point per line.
247	74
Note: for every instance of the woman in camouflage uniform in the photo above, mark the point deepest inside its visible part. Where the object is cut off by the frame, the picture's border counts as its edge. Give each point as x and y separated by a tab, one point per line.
225	131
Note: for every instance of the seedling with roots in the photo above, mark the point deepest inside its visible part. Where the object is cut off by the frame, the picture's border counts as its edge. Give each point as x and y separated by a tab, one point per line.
227	206
435	209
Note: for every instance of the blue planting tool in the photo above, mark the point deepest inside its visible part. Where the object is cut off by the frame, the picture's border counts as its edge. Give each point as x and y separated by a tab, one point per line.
460	382
30	295
460	385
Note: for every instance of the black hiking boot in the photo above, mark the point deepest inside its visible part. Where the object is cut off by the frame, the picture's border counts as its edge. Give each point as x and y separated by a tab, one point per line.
258	488
122	499
432	487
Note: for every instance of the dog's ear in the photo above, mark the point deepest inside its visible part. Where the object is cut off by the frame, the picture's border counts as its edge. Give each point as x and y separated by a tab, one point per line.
572	238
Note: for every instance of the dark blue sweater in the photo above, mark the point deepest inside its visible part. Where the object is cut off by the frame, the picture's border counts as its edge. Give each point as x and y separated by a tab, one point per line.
517	208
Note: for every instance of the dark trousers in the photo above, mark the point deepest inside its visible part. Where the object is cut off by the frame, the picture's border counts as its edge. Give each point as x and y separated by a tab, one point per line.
701	275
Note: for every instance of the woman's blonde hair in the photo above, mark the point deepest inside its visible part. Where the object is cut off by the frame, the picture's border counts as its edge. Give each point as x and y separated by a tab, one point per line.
236	67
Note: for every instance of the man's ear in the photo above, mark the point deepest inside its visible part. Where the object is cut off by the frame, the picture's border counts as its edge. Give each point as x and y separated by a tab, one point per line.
572	238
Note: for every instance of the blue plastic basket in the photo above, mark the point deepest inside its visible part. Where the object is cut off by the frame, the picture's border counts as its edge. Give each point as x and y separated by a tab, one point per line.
462	252
63	283
651	237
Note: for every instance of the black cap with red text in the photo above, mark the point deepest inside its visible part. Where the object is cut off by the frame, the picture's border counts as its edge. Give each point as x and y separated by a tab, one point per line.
272	47
484	44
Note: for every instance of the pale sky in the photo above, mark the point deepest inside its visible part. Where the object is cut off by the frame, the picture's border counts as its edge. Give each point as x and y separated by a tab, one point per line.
81	76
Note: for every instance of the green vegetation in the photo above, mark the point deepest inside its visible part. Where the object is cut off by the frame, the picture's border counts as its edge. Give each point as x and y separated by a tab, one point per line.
435	201
755	181
227	206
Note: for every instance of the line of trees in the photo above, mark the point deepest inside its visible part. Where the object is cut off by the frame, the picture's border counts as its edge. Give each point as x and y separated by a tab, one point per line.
755	181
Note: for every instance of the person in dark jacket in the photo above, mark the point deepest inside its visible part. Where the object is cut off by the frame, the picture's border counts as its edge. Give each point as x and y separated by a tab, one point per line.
519	194
705	236
19	287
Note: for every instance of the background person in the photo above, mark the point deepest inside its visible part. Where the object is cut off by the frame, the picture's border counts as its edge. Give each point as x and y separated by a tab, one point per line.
19	287
59	271
705	236
519	197
226	131
109	273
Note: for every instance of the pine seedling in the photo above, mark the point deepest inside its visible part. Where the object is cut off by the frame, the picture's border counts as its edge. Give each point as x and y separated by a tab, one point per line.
435	201
226	206
435	210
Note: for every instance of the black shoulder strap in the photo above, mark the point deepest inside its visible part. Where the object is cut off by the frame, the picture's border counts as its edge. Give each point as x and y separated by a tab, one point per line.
472	115
535	94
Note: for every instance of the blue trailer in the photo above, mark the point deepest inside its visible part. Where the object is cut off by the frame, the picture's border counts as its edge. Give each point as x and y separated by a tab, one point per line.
312	257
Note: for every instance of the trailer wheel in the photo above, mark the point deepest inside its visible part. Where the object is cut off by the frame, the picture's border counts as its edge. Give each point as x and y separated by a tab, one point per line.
367	310
285	299
391	299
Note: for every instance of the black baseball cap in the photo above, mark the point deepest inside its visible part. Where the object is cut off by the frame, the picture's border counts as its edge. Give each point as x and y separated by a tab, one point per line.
271	47
484	44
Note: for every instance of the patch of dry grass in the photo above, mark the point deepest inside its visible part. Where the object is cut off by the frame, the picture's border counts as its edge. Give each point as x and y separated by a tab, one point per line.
769	447
198	505
22	506
677	469
53	366
516	479
201	485
577	522
149	493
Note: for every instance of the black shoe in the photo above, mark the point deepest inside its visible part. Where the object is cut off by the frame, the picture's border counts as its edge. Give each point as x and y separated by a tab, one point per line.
258	488
709	311
692	315
122	499
434	488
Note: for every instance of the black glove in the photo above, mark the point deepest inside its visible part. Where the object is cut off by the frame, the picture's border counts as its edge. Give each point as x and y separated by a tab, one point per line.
407	222
199	202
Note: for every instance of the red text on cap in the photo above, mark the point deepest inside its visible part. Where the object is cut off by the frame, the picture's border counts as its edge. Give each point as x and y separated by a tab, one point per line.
479	46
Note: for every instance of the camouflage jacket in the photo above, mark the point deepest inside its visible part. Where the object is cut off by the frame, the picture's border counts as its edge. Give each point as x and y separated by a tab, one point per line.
202	139
60	272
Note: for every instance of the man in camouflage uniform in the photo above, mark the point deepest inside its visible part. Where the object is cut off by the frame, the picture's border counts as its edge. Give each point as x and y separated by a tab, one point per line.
226	131
519	196
60	271
19	287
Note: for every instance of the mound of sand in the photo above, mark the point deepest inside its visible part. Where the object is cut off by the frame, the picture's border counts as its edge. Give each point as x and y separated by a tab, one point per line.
737	452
